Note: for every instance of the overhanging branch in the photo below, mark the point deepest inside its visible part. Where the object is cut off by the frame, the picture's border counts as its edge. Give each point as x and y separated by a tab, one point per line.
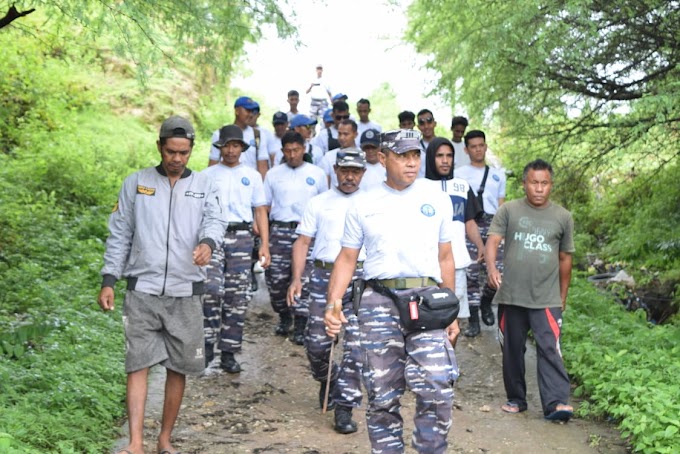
14	14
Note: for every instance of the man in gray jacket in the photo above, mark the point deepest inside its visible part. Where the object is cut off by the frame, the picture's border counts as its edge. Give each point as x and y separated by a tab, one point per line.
163	230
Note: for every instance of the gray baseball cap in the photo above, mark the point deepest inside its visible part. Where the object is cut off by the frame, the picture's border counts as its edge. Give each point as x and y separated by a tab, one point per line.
177	126
401	141
351	157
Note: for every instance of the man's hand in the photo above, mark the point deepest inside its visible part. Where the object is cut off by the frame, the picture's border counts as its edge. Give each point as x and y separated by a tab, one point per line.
494	277
294	291
265	256
452	332
334	318
202	255
481	253
105	299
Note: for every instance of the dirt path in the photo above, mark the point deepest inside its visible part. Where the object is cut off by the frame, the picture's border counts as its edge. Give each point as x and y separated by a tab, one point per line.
271	407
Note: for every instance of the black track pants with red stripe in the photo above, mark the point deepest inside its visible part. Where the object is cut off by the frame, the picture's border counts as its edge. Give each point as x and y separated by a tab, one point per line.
514	323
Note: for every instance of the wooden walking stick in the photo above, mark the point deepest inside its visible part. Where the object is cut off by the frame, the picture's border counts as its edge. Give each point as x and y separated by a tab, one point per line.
337	309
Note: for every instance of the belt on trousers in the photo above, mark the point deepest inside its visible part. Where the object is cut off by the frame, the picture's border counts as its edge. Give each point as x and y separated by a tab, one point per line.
407	282
289	225
233	226
197	288
329	265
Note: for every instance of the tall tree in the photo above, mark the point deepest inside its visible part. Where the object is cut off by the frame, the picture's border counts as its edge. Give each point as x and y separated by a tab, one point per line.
597	78
208	31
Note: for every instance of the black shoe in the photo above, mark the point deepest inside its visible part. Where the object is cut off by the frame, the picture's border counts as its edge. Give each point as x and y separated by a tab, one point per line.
487	312
487	315
472	330
322	395
229	364
285	320
209	355
343	420
299	330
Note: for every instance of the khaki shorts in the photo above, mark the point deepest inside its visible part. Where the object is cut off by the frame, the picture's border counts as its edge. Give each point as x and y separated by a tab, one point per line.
163	330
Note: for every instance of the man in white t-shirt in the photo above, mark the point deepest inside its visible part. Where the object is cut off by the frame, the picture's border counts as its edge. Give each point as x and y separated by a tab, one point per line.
327	139
323	222
320	93
364	123
240	193
375	171
304	125
288	187
490	181
383	221
256	156
293	101
280	123
460	157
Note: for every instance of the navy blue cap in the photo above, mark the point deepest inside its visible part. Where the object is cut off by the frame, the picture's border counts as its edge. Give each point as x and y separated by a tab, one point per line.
339	96
279	118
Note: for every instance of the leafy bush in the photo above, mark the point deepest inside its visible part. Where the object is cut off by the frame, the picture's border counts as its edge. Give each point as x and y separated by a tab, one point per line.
625	367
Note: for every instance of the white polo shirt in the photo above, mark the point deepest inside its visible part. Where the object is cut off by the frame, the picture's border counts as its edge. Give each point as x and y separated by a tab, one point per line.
401	230
287	190
240	189
373	177
460	157
324	220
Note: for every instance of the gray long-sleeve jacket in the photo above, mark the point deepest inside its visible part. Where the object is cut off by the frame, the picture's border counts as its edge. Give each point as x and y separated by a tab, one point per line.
154	229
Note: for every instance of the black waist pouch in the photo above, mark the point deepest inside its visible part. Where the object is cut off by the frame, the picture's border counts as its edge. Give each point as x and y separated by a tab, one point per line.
435	308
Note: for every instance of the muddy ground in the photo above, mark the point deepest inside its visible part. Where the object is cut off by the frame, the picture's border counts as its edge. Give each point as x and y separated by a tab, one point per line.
272	405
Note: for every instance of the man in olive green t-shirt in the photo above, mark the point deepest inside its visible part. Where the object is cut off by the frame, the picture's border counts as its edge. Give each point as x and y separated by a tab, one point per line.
532	292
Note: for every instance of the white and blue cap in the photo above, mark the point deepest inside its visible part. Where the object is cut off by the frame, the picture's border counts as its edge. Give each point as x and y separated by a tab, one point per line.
401	141
351	157
301	120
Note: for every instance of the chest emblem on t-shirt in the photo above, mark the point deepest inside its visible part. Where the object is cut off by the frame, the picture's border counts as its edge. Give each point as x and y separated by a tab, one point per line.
496	177
195	195
245	181
310	181
427	210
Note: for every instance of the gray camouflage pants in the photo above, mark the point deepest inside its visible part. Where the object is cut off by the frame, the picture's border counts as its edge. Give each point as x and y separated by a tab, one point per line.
347	392
393	359
278	274
227	297
476	272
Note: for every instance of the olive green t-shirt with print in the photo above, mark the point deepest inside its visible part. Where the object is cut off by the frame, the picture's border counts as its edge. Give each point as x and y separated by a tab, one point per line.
534	237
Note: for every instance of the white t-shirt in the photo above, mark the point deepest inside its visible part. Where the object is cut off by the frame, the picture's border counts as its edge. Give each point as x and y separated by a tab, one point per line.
457	189
373	177
247	157
239	188
288	190
401	230
421	172
494	188
327	163
320	89
324	220
460	157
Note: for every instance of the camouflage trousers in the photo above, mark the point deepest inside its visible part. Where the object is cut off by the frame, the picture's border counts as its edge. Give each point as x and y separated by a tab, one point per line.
347	391
317	108
476	272
278	274
227	296
393	359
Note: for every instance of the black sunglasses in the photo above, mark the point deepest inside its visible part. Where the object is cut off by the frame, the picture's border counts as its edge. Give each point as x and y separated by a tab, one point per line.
422	121
342	117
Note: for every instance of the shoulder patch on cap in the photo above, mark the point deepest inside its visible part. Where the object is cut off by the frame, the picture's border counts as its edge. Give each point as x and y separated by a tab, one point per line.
145	191
370	134
427	210
245	181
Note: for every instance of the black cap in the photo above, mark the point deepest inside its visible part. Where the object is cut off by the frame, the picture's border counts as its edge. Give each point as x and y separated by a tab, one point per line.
230	133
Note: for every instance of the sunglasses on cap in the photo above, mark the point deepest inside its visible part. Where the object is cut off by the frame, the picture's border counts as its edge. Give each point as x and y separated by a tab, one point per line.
341	117
422	121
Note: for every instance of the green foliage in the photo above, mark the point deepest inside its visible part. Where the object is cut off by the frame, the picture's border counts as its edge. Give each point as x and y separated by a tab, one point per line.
626	368
153	33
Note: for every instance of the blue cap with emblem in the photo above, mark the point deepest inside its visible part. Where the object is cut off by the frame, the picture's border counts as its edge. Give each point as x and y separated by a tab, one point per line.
247	103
